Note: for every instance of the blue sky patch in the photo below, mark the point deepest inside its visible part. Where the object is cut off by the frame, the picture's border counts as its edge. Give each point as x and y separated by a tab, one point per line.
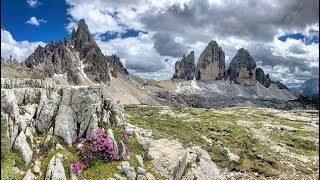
312	38
14	15
130	33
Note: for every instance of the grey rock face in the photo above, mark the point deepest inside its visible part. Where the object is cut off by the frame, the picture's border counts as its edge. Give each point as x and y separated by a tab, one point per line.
96	66
55	170
262	78
242	69
115	65
116	112
22	145
310	88
83	40
185	68
47	110
78	113
36	58
211	64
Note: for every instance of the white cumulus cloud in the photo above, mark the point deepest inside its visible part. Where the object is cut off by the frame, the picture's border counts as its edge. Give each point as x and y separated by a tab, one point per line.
36	22
33	3
19	50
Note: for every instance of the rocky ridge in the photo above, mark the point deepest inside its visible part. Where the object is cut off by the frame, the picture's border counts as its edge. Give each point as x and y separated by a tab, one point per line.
310	88
211	66
79	60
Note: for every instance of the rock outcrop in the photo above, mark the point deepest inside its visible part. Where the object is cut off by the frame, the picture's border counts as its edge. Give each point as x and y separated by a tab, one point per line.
242	68
70	111
211	64
185	68
262	78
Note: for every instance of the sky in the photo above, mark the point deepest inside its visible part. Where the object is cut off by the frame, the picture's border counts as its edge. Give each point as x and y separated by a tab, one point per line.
149	36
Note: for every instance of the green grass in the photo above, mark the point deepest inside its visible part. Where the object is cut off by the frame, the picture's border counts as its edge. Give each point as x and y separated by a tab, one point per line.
221	127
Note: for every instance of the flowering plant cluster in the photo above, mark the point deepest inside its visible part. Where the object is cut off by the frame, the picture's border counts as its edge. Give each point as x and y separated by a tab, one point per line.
77	168
96	147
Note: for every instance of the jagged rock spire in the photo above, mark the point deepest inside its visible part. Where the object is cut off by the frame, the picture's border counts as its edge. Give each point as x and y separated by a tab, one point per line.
211	64
83	38
185	68
242	69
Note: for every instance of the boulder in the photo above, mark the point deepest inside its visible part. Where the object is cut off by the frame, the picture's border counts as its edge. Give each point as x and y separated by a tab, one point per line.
29	176
149	176
23	147
55	169
140	160
128	170
37	165
242	68
185	68
168	157
141	171
202	167
141	177
211	64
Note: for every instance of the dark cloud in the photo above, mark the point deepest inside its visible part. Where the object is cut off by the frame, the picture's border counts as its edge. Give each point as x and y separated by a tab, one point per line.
166	46
256	20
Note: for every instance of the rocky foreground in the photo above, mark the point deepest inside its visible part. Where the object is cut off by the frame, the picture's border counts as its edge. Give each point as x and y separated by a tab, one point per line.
42	127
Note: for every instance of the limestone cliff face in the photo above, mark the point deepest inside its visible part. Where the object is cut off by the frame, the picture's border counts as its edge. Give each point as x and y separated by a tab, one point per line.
211	64
70	111
242	69
185	68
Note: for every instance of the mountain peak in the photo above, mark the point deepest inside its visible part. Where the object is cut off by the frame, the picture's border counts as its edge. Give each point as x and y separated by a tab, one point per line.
82	37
